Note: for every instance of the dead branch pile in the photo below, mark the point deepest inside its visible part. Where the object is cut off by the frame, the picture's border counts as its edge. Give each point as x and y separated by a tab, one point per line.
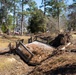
41	52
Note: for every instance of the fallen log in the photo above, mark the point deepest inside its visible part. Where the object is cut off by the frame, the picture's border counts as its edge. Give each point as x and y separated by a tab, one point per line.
61	39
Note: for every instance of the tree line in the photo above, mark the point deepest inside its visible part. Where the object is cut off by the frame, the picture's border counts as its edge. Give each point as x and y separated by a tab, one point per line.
22	14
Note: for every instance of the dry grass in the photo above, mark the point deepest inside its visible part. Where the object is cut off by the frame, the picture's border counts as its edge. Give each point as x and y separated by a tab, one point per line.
6	62
74	36
13	65
4	42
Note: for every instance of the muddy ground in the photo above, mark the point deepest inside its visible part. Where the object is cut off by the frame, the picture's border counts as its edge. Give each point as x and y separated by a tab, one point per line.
47	60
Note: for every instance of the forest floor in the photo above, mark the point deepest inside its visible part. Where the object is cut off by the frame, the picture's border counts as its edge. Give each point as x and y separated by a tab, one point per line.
50	61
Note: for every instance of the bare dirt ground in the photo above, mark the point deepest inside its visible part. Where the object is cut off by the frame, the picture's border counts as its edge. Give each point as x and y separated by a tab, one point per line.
64	64
12	65
49	60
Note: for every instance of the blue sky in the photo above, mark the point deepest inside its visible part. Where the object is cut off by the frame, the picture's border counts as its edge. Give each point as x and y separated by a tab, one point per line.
39	2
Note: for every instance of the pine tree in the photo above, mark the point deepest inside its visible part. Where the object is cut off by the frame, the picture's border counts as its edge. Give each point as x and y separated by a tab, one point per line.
72	16
54	8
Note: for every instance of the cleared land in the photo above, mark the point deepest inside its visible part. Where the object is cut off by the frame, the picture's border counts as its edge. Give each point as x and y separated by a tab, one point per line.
50	61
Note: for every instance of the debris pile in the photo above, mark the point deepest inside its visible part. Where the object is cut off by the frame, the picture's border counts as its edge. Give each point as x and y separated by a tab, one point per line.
57	58
64	64
41	52
61	39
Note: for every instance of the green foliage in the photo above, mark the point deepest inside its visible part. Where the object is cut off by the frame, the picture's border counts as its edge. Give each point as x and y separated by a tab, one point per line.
10	22
37	22
32	4
7	25
32	7
55	7
4	29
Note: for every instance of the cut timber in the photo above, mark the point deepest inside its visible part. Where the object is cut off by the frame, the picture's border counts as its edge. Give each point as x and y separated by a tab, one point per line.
21	50
34	53
26	48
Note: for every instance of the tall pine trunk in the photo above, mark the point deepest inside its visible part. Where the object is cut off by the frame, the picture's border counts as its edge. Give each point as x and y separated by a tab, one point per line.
58	21
44	7
14	16
22	20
